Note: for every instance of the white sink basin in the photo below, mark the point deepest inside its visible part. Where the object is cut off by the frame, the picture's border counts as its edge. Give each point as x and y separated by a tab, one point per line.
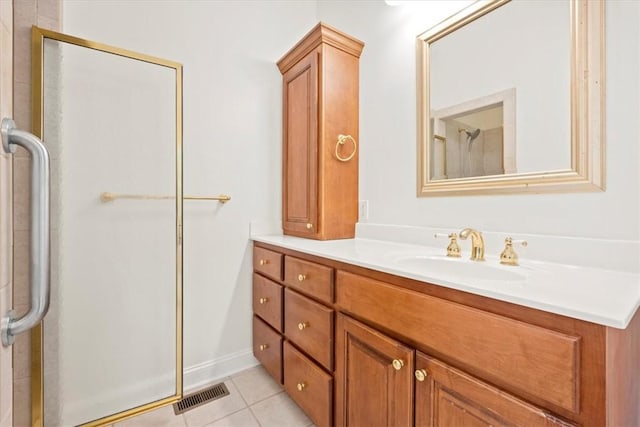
458	268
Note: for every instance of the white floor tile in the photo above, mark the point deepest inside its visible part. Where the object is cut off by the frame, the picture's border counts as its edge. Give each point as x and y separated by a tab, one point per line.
256	384
216	410
162	417
279	411
243	418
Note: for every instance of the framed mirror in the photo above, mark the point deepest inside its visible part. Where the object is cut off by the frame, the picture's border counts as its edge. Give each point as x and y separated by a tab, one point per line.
511	99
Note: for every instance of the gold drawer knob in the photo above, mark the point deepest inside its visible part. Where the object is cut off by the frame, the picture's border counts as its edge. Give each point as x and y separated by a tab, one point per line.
301	386
303	325
263	262
301	277
309	226
263	347
263	300
421	374
397	364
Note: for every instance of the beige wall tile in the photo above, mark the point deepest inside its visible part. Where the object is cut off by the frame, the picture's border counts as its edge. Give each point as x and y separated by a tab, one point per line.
49	9
6	232
21	191
6	71
6	380
6	13
7	421
21	267
48	23
22	402
22	357
6	209
24	16
22	110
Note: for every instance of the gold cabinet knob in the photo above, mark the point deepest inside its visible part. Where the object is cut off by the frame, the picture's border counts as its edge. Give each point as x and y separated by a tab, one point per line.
263	300
309	226
303	325
301	386
421	374
301	277
263	347
263	262
397	364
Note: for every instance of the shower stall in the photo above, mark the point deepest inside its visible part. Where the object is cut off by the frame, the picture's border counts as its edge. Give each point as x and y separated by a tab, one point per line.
110	346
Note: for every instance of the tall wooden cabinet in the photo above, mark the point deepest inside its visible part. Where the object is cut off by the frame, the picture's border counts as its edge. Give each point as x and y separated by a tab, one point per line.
320	135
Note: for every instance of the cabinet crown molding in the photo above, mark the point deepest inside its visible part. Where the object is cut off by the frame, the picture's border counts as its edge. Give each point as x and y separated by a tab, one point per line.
321	33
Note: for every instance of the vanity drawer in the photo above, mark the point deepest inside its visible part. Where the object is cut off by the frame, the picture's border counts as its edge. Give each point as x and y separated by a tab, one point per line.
518	356
267	301
310	326
308	385
267	348
267	262
309	278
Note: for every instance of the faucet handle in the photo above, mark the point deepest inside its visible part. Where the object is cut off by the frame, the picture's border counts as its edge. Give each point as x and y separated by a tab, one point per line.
508	255
453	249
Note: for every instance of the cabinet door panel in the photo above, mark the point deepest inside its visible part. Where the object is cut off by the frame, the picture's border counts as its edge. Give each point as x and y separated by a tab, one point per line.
300	148
450	397
370	391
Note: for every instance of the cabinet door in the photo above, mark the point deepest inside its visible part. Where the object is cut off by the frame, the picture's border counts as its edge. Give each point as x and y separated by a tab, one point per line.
446	396
300	148
374	377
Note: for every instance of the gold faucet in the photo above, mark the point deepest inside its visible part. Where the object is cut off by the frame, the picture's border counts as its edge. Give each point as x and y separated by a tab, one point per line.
477	243
508	255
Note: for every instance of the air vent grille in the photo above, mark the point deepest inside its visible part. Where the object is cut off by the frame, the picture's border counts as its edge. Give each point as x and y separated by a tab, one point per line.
200	398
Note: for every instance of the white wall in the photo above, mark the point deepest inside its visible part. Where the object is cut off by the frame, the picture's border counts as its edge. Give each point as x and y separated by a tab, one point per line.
388	131
232	144
232	118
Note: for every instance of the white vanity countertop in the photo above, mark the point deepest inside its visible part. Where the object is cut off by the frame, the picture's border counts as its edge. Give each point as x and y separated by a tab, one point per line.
605	297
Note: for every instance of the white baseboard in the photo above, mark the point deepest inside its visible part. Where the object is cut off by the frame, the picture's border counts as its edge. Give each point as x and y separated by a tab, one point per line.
212	371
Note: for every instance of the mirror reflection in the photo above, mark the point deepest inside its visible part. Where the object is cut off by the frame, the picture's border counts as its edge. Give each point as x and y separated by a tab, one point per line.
510	99
516	55
474	140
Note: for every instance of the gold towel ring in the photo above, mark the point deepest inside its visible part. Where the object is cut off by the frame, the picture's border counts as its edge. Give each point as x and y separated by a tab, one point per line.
341	141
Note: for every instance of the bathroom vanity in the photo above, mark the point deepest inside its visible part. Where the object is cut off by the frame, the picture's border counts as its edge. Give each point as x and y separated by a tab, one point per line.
357	343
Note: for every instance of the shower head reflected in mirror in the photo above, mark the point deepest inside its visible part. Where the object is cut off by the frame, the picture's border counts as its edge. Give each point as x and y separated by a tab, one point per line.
470	135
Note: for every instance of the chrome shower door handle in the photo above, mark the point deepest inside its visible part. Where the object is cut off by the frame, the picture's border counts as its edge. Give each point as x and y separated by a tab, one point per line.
39	244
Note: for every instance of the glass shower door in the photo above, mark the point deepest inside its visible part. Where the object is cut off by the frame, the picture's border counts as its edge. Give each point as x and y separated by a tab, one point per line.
112	342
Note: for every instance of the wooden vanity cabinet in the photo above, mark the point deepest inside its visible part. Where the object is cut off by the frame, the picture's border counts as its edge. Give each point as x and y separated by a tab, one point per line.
446	396
320	102
374	377
293	328
412	353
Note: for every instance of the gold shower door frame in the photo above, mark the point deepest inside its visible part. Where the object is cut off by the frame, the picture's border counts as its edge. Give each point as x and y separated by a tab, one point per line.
38	36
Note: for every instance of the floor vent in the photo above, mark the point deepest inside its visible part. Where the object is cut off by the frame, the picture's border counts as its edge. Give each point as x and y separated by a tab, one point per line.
200	398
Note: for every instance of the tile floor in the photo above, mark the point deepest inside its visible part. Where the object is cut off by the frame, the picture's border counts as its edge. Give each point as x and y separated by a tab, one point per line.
255	400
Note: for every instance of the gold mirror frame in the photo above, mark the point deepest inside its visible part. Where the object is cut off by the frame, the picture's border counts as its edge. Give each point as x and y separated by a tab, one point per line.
587	172
38	37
